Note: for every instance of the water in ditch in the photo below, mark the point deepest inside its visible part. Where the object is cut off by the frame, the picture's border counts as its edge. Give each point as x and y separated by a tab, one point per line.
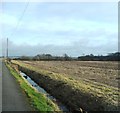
41	90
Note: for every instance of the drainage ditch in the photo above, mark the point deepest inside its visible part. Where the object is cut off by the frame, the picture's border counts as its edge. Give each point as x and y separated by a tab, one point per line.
43	91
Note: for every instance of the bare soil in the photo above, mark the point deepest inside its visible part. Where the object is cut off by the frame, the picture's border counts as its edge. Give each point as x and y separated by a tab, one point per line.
91	71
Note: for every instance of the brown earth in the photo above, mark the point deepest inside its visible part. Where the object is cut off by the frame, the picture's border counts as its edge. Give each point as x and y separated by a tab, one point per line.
91	71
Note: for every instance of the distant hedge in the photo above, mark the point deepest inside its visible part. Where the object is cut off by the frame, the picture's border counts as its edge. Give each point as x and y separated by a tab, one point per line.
65	57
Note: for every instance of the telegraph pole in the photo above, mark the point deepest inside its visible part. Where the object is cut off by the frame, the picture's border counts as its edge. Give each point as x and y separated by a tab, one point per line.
7	48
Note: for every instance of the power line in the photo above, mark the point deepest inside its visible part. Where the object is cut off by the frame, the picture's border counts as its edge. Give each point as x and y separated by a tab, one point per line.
20	19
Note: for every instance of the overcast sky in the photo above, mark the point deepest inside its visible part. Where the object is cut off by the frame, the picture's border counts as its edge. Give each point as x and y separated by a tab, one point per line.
58	28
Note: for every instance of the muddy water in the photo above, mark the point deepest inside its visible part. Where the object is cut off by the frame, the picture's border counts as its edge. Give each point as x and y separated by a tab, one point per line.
41	90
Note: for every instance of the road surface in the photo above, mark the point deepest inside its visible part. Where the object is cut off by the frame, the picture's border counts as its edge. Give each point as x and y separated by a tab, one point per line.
13	98
0	85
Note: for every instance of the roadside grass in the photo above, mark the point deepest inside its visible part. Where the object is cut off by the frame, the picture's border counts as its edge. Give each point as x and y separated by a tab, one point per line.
106	96
38	101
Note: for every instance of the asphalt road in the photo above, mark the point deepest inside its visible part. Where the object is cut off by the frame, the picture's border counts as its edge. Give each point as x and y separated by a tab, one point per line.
13	98
0	86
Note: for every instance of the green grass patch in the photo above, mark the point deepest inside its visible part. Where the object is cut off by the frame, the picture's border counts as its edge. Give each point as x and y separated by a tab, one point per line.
38	101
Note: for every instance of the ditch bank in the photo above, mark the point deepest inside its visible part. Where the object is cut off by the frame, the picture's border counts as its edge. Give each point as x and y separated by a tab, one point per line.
74	99
41	90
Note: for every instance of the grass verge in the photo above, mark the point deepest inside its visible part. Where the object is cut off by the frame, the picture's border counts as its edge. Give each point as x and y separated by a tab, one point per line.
38	101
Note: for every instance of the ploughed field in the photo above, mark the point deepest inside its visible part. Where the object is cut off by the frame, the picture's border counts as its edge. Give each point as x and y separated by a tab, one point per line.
90	85
96	71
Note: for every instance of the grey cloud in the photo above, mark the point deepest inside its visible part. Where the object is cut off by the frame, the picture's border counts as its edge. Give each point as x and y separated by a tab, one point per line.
75	49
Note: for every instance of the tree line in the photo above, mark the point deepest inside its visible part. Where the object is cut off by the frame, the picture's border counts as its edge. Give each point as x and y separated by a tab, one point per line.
109	57
48	57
